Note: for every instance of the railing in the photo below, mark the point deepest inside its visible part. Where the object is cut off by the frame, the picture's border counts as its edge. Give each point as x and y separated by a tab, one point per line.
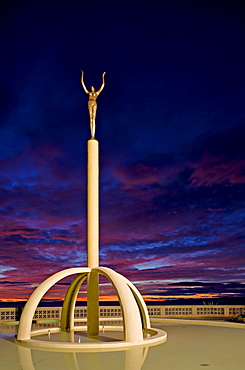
187	311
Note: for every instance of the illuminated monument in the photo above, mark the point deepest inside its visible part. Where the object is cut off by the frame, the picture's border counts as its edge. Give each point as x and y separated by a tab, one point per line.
136	323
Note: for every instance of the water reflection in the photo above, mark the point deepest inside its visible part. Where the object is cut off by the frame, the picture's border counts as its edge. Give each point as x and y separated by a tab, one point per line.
35	359
120	360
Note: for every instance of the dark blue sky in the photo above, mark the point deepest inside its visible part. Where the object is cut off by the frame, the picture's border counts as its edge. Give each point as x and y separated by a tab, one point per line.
170	124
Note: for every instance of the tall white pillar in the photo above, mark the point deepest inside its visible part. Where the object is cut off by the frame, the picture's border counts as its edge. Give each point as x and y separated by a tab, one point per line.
93	237
93	204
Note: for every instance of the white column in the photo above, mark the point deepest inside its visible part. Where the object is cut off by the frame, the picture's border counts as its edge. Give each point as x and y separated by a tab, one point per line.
93	237
93	204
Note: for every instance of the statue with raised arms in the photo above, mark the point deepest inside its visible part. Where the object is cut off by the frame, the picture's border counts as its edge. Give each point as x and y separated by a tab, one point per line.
92	104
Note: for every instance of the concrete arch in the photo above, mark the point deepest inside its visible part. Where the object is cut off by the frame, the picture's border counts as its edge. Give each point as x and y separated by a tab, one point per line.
133	326
67	313
141	303
24	330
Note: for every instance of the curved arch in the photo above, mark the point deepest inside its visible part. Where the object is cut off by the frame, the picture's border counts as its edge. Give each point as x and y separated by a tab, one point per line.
24	330
130	310
141	303
67	313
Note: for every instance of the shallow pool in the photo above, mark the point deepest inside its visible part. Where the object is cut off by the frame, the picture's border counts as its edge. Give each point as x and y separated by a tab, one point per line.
189	346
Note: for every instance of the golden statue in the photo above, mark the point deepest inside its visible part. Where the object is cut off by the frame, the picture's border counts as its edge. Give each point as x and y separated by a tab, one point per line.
92	104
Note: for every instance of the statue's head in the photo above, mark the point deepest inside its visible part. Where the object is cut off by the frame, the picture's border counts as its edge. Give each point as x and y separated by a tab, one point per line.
92	89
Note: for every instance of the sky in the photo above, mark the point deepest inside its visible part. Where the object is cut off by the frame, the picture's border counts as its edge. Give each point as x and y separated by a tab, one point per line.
170	124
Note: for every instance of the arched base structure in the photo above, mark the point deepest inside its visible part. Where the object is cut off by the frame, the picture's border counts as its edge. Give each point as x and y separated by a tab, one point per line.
136	322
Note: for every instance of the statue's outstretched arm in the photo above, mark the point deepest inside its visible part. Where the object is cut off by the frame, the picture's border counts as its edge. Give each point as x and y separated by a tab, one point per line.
103	84
83	84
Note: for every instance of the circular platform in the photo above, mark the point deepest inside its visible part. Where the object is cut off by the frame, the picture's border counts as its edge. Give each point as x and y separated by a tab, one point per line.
69	341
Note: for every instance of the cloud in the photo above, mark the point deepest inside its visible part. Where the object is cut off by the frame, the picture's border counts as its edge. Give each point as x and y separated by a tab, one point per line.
145	175
4	269
218	171
224	139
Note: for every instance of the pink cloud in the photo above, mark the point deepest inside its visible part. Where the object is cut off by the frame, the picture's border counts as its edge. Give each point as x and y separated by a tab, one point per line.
209	171
33	236
140	174
217	170
137	174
